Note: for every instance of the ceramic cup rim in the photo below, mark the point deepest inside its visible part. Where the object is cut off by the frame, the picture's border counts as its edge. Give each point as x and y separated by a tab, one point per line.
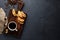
14	28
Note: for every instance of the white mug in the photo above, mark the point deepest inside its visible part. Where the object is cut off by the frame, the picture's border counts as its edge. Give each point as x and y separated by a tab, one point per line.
15	28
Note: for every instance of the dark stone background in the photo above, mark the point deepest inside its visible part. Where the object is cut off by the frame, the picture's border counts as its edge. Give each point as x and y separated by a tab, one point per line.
43	21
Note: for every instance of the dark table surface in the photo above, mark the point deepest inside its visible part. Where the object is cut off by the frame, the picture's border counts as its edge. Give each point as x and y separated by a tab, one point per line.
43	21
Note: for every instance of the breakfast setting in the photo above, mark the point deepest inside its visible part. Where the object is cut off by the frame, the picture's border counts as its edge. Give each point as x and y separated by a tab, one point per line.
13	23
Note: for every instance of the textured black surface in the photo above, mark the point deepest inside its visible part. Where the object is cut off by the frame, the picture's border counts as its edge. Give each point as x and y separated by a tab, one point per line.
43	21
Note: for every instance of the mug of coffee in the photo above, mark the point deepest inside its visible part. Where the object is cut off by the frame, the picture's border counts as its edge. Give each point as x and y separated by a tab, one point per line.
12	26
